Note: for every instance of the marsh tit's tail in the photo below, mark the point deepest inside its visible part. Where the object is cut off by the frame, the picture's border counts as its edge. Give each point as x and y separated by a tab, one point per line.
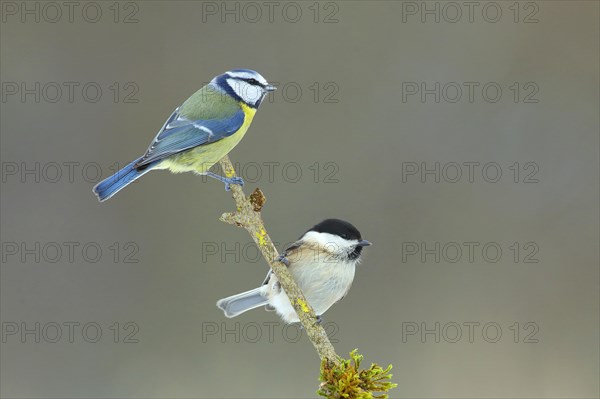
240	303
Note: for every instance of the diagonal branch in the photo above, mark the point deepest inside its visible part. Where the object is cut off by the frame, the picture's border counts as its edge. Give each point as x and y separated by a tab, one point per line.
248	216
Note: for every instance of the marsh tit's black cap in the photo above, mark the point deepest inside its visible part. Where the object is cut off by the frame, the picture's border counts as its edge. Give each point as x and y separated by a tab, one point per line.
340	228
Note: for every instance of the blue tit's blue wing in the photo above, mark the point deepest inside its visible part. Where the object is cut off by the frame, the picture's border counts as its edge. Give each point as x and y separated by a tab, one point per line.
181	134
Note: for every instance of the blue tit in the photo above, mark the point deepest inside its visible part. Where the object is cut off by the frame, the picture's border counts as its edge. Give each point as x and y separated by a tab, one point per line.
200	132
322	262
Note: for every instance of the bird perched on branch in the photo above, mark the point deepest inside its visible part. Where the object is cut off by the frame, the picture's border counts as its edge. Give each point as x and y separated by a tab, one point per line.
322	262
200	132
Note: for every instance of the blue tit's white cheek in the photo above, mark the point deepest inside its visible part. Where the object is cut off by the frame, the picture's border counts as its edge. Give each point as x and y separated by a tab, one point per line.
247	92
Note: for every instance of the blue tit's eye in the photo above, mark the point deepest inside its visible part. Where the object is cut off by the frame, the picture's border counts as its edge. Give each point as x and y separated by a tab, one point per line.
253	82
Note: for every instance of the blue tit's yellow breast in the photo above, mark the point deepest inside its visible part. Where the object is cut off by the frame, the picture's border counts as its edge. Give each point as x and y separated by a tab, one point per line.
200	159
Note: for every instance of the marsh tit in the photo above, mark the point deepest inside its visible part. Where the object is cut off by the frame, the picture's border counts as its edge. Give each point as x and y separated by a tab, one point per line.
322	262
200	132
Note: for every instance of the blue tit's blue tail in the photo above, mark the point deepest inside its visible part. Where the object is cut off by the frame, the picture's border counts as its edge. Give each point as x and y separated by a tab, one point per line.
112	185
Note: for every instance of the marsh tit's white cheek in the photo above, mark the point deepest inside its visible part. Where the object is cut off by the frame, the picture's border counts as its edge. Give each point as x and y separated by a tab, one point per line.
330	242
247	92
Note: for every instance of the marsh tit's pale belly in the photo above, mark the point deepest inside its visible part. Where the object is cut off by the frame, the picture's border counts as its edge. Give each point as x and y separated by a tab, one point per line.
323	282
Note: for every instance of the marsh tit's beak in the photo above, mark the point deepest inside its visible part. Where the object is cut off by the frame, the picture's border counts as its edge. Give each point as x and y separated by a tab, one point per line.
364	243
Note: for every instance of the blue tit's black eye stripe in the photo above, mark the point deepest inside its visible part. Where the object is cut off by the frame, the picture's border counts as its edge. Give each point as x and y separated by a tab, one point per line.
253	82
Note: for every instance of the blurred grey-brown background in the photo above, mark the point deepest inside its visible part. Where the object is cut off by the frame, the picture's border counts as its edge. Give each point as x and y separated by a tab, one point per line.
461	139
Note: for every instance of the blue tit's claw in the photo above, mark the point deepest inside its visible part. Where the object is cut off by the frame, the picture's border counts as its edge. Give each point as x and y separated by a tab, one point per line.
236	180
227	180
284	260
232	180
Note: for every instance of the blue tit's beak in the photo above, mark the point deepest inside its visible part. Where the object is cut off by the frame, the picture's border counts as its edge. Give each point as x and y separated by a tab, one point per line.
364	243
270	88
